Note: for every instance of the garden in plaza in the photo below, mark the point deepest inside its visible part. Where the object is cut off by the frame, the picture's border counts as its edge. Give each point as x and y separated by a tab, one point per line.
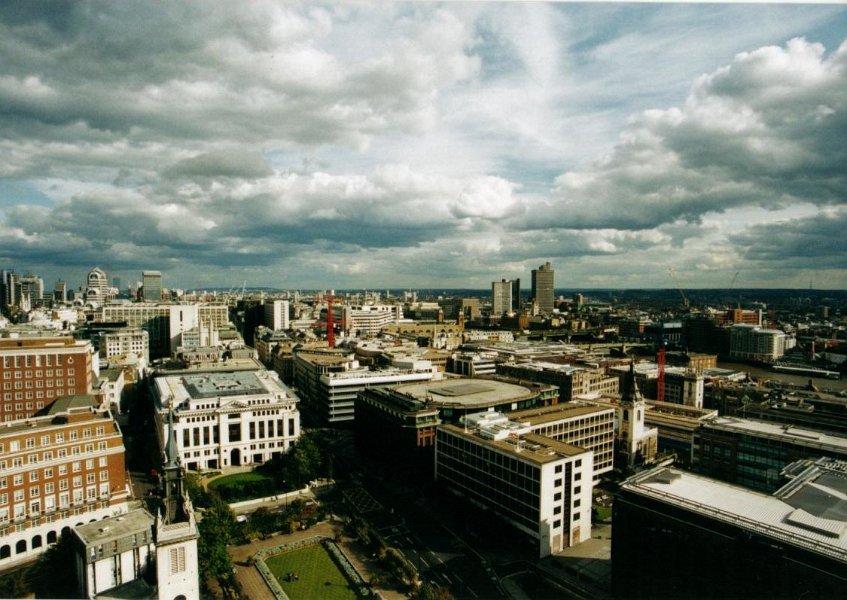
312	568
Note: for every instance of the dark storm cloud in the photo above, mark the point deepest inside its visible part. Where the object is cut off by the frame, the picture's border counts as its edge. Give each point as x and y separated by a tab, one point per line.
811	243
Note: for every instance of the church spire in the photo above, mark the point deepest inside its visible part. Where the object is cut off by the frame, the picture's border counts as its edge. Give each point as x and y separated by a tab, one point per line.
630	393
171	452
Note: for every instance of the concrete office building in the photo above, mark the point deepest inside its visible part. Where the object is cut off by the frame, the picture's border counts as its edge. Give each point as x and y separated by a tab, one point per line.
501	297
329	381
752	453
34	372
125	342
543	288
165	323
366	320
681	535
226	418
455	397
276	315
676	424
572	381
58	470
473	364
152	282
97	286
751	342
60	291
579	424
538	485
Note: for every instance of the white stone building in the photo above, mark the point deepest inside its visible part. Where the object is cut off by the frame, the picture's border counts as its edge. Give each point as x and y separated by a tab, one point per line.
227	418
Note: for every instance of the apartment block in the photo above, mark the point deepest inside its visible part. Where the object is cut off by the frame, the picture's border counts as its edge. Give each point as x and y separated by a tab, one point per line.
57	471
34	372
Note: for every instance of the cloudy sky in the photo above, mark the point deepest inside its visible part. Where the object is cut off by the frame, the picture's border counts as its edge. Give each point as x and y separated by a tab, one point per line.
368	145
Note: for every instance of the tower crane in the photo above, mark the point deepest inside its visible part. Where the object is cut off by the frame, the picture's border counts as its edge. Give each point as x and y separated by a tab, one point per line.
679	289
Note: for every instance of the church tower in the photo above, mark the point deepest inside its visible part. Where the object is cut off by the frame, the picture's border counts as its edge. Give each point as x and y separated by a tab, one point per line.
176	531
631	430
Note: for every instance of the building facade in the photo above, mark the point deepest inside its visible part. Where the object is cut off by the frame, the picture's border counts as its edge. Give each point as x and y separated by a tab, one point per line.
152	282
501	297
572	381
681	535
751	342
34	372
543	288
538	485
165	323
752	453
57	471
578	424
226	418
329	382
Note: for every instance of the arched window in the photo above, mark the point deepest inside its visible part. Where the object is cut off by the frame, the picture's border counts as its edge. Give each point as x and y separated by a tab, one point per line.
5	551
36	542
626	415
20	547
52	537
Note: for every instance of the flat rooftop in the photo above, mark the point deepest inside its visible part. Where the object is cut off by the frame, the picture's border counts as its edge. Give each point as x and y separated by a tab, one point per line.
213	385
115	528
466	392
533	448
556	412
821	529
778	431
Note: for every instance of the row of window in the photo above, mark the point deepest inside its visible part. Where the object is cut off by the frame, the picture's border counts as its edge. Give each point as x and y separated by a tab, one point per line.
35	360
39	374
50	439
90	493
47	455
47	472
50	487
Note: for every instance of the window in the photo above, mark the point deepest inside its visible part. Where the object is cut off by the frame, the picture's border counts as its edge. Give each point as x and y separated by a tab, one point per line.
102	461
177	560
576	516
18	479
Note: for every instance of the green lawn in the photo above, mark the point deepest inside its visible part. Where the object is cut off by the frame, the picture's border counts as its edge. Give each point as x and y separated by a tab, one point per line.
318	575
236	478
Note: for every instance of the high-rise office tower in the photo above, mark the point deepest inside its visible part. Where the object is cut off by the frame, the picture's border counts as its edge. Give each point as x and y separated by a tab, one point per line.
152	282
516	294
501	297
60	291
542	287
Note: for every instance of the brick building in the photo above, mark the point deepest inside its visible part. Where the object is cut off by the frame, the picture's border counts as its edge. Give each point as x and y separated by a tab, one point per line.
58	470
34	372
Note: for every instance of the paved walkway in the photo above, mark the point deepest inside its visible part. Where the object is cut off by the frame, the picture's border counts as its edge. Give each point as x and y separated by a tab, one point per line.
253	587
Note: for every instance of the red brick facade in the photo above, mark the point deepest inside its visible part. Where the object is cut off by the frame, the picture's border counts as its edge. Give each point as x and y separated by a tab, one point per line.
35	372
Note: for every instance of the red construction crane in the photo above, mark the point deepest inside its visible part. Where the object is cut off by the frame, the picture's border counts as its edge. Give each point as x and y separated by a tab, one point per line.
330	334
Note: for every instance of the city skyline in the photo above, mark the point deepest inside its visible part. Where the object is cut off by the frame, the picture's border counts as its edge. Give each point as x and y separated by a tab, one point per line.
421	145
